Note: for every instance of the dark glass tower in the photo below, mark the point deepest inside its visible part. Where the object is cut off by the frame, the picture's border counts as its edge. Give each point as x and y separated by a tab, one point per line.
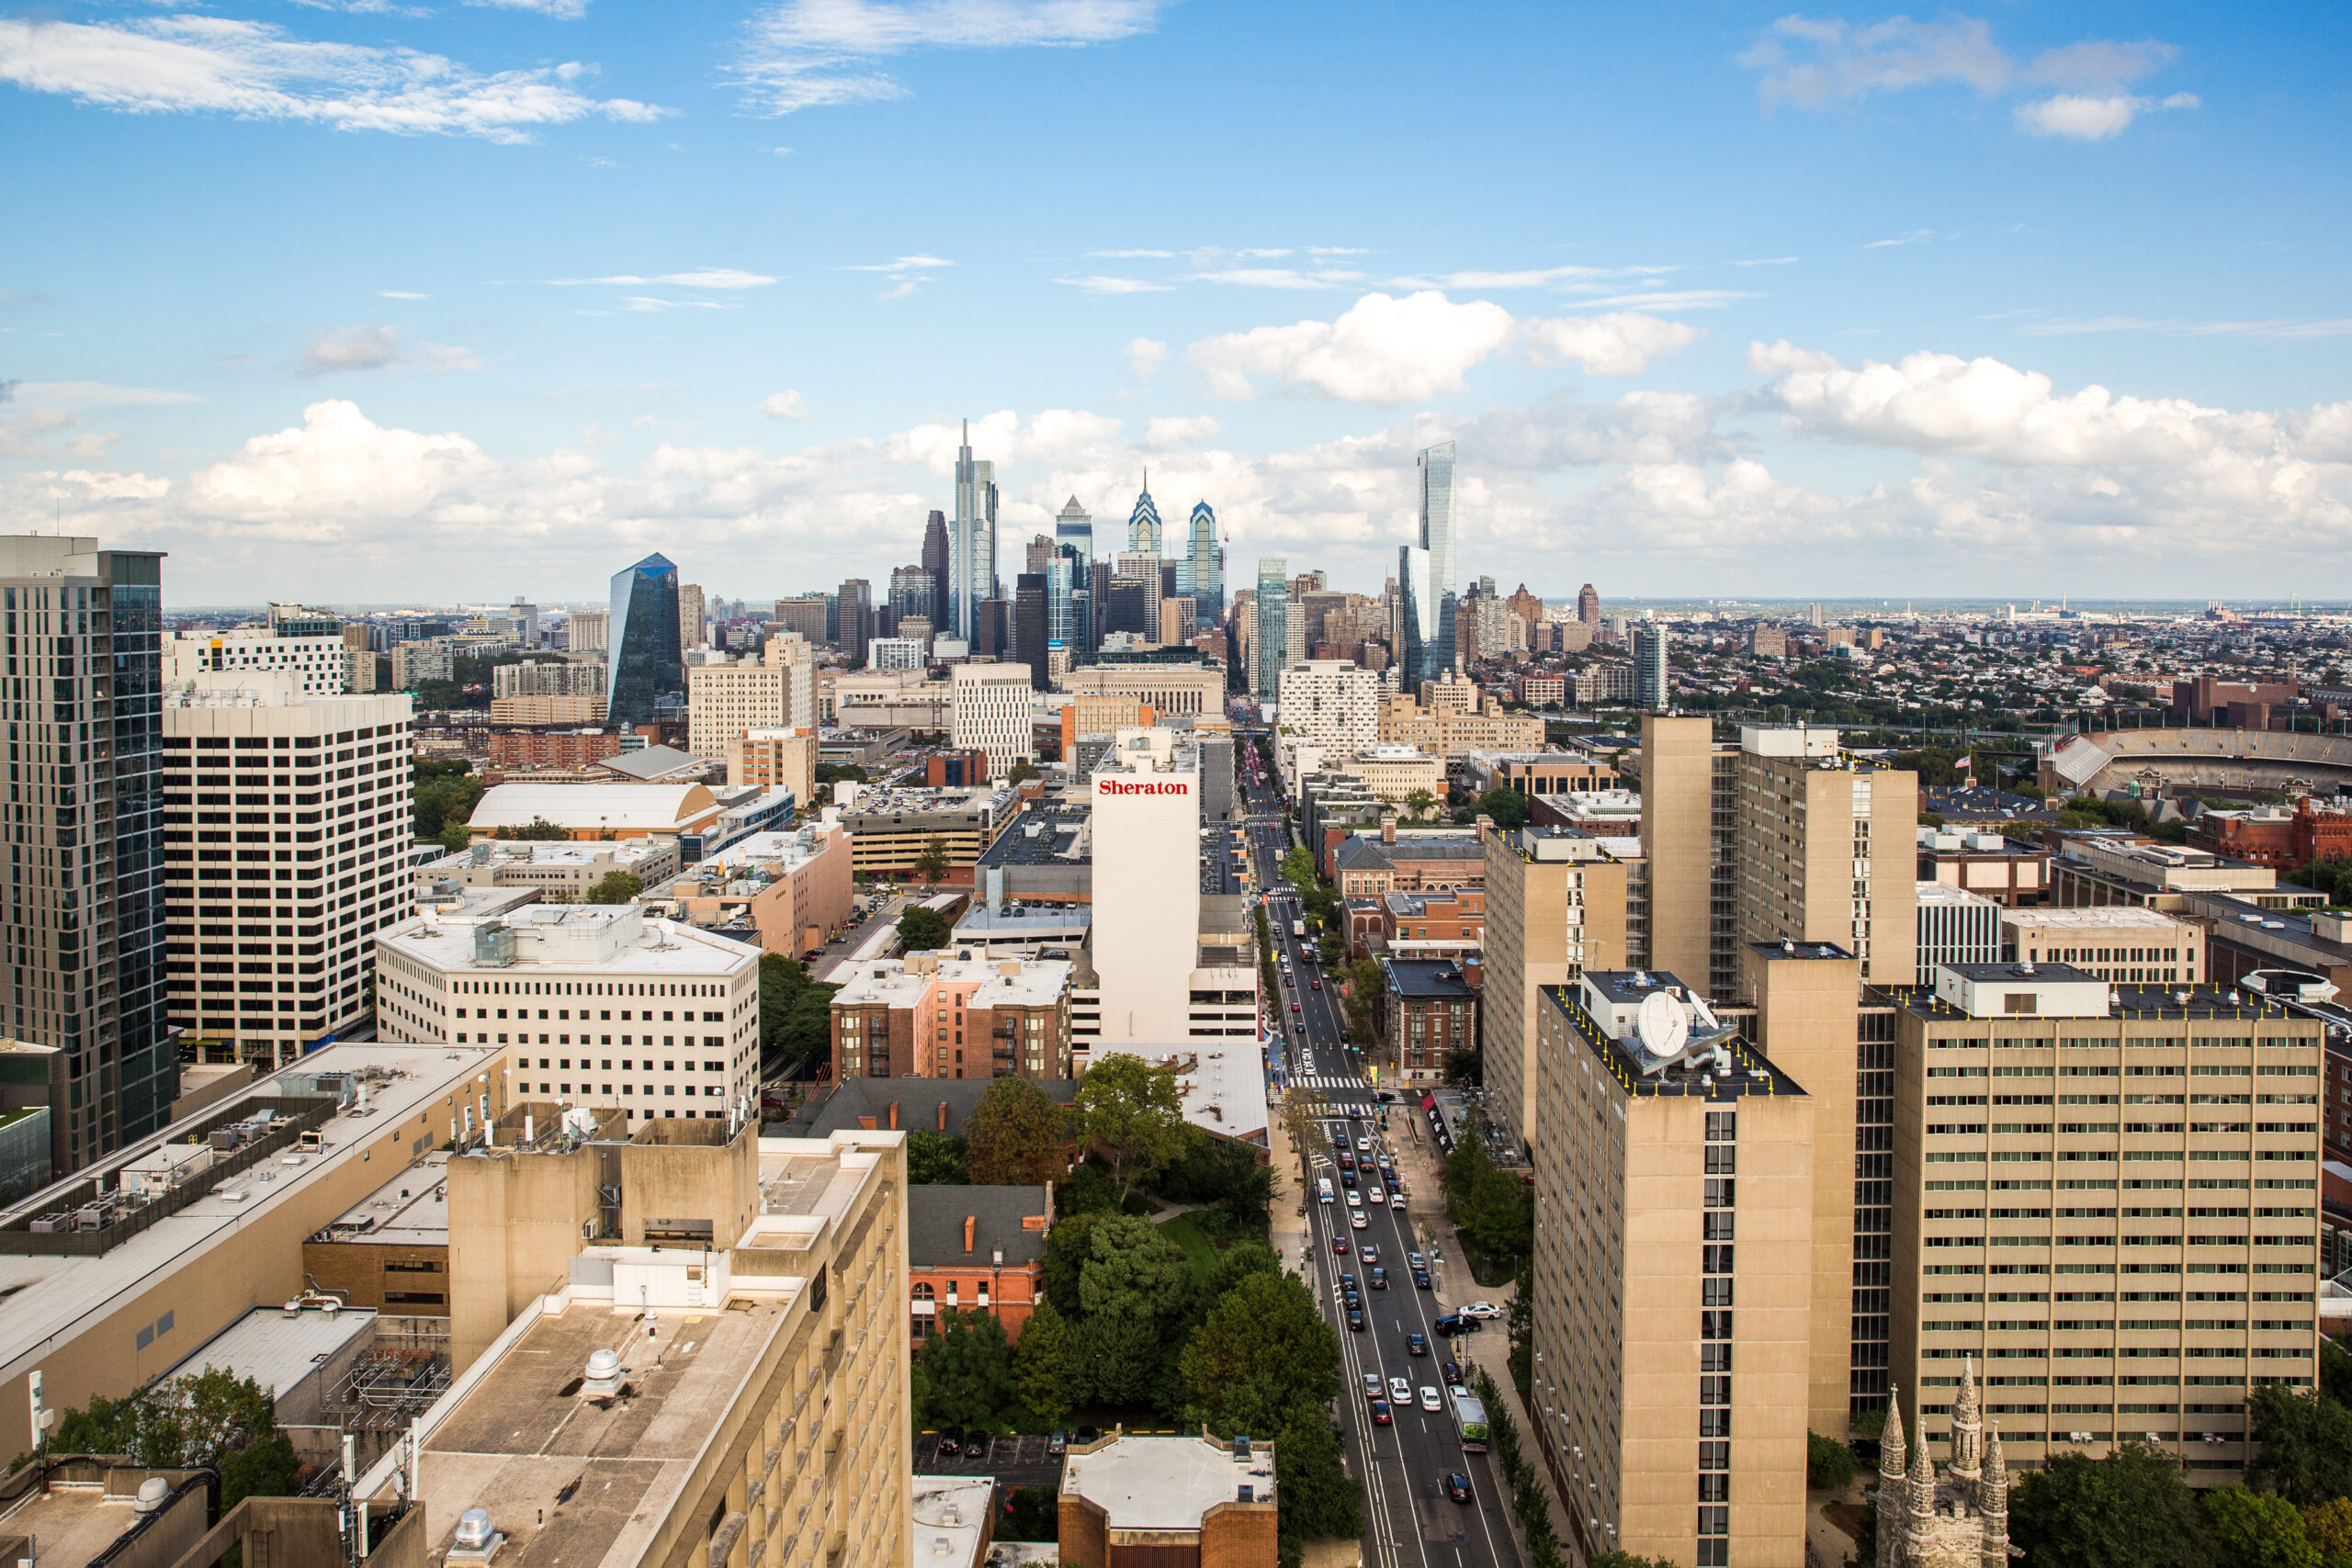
643	671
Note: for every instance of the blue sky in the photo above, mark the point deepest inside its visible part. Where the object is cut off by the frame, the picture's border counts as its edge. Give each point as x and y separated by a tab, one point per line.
359	302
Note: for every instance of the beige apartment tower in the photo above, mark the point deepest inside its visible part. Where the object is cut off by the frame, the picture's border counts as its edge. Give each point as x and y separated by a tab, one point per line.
1690	788
1828	850
1555	902
1674	1274
723	700
776	756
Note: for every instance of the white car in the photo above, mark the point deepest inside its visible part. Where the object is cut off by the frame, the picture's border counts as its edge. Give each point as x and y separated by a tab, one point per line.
1355	1198
1376	1195
1400	1391
1358	1220
1430	1399
1482	1309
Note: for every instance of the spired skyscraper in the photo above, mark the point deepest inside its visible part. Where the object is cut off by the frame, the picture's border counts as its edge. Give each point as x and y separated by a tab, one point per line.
1143	522
1431	591
644	673
1201	570
971	541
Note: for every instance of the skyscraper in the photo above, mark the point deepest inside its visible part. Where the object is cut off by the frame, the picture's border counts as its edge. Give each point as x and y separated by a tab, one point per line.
84	926
1031	617
854	615
1651	693
1208	563
972	540
935	555
1418	633
1439	537
1143	522
915	591
1269	646
1074	530
643	671
691	616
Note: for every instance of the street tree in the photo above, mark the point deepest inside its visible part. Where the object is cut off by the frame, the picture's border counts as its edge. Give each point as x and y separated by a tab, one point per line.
932	864
1130	1112
923	929
1017	1137
1263	1359
1319	1498
2306	1444
1041	1363
967	1370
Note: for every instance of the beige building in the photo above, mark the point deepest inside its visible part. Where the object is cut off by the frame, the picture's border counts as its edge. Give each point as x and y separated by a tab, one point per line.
1555	902
2122	943
318	666
793	886
777	755
2108	1199
1330	704
1689	842
1174	690
593	1006
276	923
1130	1500
589	631
693	621
536	712
560	870
1392	771
1825	850
725	701
991	708
549	678
1444	731
1674	1211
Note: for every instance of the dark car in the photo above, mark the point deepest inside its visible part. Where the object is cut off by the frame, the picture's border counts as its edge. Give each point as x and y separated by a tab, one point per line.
1457	1487
1380	1417
1417	1345
1355	1320
1347	1281
1380	1279
1421	1279
1340	1246
1354	1302
1058	1440
1452	1371
1452	1323
1086	1435
951	1443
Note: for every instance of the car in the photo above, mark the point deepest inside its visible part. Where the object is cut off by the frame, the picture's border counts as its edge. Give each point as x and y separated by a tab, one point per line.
1452	1323
1372	1384
1482	1309
1371	1255
1417	1345
1057	1441
1400	1391
1457	1487
1293	1007
951	1442
1376	1195
1356	1220
1430	1400
1364	1145
1417	1260
1355	1320
1340	1246
1380	1417
1317	985
1421	1279
1379	1277
1452	1373
1347	1281
1355	1199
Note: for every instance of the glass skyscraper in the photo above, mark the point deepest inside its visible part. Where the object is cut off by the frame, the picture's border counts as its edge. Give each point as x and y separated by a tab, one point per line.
1439	536
1416	659
1074	530
643	670
1203	565
1143	522
971	541
1271	647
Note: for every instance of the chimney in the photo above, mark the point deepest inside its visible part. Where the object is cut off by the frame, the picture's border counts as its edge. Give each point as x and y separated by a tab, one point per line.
894	1116
1388	828
866	1123
943	1116
970	1222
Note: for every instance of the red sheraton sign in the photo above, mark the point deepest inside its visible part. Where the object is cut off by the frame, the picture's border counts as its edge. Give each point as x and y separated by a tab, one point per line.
1112	787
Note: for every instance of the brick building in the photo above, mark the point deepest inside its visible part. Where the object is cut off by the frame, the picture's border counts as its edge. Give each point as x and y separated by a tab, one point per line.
1425	923
1431	1009
1133	1502
513	750
1412	861
925	1016
976	1248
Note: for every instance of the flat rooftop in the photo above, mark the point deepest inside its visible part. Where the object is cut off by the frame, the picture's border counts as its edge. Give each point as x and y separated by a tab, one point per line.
2138	1003
410	1209
2110	916
277	1351
1054	838
1167	1483
572	939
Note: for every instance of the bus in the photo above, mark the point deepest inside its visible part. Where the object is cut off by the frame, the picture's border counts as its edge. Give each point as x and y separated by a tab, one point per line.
1470	1415
1298	930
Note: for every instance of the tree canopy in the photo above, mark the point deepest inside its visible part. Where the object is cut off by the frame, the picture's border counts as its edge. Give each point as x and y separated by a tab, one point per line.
211	1417
923	929
2306	1438
2131	1509
795	1015
616	887
1130	1112
1263	1359
1017	1137
936	1160
932	864
967	1369
1041	1363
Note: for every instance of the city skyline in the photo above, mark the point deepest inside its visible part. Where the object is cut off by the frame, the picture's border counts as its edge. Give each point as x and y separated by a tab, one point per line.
1917	310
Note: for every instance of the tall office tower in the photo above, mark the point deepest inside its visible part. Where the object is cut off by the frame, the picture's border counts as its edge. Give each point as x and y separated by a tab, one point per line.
1207	564
589	631
1690	839
1828	850
990	709
1061	618
856	614
804	616
2181	1269
992	623
85	923
1143	522
1040	550
972	539
1147	919
1588	608
1270	642
914	592
1422	654
644	669
693	621
776	691
1440	537
1031	617
256	732
937	559
1674	1204
1651	692
1555	902
1074	530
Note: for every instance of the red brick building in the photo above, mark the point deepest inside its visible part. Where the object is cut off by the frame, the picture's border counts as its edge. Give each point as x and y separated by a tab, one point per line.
1137	1502
976	1248
2284	840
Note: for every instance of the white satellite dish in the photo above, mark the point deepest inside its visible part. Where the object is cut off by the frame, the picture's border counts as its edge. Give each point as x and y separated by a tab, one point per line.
1663	1027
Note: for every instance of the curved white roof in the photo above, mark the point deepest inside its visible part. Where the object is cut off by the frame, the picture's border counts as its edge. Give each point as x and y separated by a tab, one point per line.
644	807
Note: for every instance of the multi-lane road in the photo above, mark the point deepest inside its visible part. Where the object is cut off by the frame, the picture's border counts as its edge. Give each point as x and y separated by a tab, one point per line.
1410	1521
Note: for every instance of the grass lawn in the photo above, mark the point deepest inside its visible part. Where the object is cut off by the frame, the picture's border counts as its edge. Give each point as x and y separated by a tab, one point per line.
1197	1247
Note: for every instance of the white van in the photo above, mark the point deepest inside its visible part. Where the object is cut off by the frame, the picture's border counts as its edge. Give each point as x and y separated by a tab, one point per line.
1323	1190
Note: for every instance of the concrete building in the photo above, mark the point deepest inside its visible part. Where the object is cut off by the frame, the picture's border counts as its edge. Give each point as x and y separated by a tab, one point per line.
1172	691
1395	771
1537	774
990	709
2010	871
1138	1502
693	619
1690	840
792	888
2120	944
1555	902
84	932
779	755
691	1048
1674	1192
2092	870
304	911
1438	728
2122	1270
1146	822
597	811
1825	850
1652	690
559	871
529	750
1955	926
897	653
318	666
588	631
542	711
975	1250
549	677
890	830
1330	704
775	691
930	1016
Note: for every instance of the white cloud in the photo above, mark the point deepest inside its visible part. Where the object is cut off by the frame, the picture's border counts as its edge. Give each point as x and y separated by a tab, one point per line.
703	277
2340	326
1587	279
1145	357
377	348
2099	62
1768	261
2093	118
1909	237
1388	350
1131	255
1172	430
1676	299
1099	283
398	294
652	304
1277	276
785	404
803	53
906	273
556	10
95	395
256	71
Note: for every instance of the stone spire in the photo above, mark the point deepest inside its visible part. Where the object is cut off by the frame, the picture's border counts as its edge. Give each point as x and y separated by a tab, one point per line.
1891	1483
1967	1428
1921	1535
1992	1502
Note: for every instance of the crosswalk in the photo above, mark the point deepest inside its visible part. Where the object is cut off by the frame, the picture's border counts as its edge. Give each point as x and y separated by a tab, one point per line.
1349	1081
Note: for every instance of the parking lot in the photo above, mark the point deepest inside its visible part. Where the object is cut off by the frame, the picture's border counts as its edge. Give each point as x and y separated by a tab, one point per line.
1012	1460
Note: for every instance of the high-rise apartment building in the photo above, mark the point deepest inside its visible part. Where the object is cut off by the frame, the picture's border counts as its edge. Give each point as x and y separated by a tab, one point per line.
1269	641
774	691
1674	1195
271	946
1331	704
777	755
1652	690
990	709
693	621
1441	536
548	678
1555	902
1828	850
645	668
804	618
938	1016
85	922
1207	559
1690	893
319	665
1146	822
588	631
972	571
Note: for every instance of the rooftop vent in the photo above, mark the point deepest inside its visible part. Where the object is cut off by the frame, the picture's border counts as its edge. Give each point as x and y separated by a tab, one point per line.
476	1541
603	1374
151	1494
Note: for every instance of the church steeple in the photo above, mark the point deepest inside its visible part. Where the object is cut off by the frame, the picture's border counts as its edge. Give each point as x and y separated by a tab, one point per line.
1967	1428
1992	1502
1892	1485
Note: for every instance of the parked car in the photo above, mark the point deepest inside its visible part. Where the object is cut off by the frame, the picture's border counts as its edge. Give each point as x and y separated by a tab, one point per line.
951	1442
1355	1320
1058	1440
1452	1371
1421	1279
1451	1325
1086	1435
1482	1309
1347	1281
1417	1260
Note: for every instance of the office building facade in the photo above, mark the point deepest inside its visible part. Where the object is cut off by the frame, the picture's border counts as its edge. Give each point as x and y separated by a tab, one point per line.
1269	644
990	709
1205	559
1826	850
644	670
1651	691
1555	902
972	542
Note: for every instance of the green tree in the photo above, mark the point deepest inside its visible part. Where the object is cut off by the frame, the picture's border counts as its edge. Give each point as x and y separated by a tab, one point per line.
1418	802
1114	1360
1031	1513
1630	1560
1509	808
1319	1498
1492	1209
2329	1526
1132	1270
1068	1246
967	1370
1245	1259
1829	1465
1041	1363
616	887
442	791
1017	1137
1264	1358
923	929
2306	1438
1129	1111
932	864
795	1015
2252	1530
1219	1171
456	837
537	829
1021	771
936	1160
1465	1069
1521	1323
209	1418
2131	1509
